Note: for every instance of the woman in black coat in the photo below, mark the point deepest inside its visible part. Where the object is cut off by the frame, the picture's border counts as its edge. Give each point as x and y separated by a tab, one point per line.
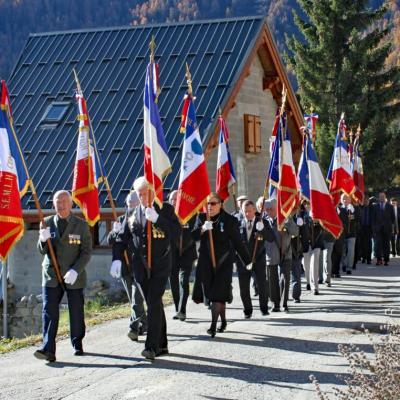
217	280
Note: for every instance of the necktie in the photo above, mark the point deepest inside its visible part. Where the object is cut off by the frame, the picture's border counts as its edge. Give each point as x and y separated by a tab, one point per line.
61	225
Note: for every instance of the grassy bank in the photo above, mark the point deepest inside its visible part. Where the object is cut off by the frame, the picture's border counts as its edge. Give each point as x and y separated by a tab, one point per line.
95	314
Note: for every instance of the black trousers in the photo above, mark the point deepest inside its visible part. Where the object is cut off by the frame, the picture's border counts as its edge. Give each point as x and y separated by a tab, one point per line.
365	242
273	280
337	256
382	245
153	290
179	281
51	312
284	280
260	278
395	244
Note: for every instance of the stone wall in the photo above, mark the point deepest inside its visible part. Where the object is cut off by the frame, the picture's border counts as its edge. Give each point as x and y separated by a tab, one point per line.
251	169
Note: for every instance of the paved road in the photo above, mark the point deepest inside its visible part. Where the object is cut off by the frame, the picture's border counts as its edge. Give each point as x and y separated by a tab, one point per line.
262	358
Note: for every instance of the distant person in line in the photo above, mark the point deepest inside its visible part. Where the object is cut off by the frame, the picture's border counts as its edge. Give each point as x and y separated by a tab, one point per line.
382	226
395	239
350	234
123	270
254	231
184	256
279	255
217	280
72	243
365	235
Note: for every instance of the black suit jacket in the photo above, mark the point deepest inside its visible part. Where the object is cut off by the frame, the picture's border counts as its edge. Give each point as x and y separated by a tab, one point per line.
256	236
185	246
164	232
382	219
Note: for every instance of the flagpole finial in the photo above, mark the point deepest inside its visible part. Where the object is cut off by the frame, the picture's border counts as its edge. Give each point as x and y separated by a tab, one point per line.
351	135
189	80
311	109
359	130
78	85
342	115
220	111
152	47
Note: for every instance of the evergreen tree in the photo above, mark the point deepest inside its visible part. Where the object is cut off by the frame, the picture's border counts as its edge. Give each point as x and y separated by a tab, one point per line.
340	67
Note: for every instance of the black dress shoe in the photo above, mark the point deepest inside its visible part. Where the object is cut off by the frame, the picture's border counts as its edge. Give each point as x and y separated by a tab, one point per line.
133	335
316	292
44	355
276	309
297	300
348	272
308	287
78	352
149	354
247	316
222	327
286	309
264	313
162	352
386	263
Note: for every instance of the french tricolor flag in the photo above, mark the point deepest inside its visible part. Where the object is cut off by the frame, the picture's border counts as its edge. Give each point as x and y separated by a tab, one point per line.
13	179
314	189
156	161
225	172
340	176
194	186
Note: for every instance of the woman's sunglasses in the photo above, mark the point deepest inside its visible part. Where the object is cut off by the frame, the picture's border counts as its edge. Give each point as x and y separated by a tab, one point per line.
212	203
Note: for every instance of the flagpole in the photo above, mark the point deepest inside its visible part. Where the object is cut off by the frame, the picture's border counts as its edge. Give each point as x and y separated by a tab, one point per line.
39	210
210	235
103	175
5	297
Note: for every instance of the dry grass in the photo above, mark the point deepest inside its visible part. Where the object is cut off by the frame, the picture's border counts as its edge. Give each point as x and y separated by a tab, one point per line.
372	377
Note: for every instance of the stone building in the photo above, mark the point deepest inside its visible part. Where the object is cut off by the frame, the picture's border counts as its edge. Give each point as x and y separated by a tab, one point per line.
235	68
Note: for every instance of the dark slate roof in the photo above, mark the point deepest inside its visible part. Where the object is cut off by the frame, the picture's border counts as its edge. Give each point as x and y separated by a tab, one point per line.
111	64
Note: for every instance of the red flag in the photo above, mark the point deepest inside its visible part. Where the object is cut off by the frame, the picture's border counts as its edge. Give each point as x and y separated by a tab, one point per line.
287	191
13	179
86	179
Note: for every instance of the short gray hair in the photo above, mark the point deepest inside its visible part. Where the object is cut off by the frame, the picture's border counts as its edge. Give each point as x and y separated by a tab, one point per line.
171	194
270	203
62	193
140	183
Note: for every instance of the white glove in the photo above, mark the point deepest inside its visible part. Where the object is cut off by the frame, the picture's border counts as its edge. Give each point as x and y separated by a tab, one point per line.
44	234
207	226
115	270
259	226
70	276
350	208
249	267
151	215
299	221
117	227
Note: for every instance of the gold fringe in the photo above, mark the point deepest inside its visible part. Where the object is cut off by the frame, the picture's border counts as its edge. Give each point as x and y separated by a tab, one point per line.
91	222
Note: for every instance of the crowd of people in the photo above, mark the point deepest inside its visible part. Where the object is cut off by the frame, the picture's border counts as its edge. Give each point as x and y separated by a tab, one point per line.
273	257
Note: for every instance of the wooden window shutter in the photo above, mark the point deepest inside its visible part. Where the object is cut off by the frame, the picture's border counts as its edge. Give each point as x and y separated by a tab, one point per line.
252	133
